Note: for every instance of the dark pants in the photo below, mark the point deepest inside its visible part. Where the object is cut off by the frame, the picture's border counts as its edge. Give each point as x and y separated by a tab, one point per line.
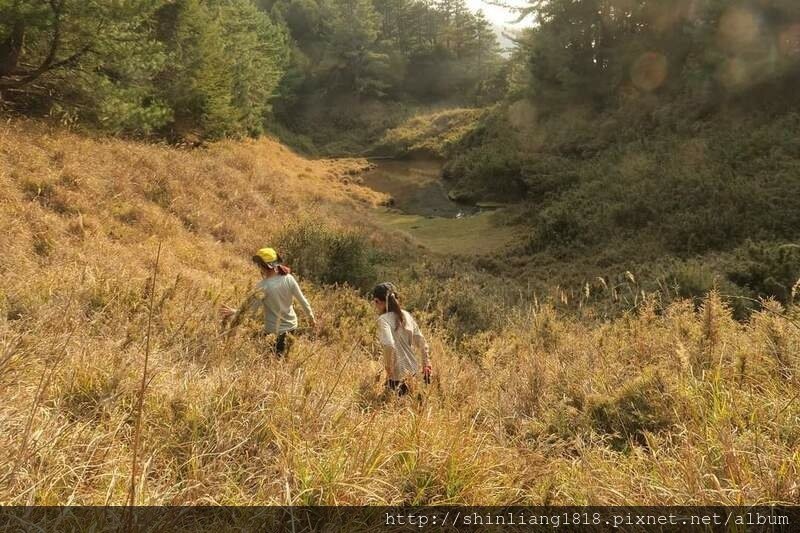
399	386
281	345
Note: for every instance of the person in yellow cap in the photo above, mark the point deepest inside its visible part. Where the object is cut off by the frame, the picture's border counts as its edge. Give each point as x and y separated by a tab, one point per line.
274	296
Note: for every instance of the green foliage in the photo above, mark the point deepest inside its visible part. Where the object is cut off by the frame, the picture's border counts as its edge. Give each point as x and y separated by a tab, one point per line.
257	52
351	58
86	60
142	67
695	280
227	63
351	61
199	89
328	255
555	226
769	270
488	162
600	53
639	122
641	184
466	312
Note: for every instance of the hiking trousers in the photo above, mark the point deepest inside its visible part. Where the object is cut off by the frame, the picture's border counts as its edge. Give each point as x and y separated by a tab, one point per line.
281	346
400	386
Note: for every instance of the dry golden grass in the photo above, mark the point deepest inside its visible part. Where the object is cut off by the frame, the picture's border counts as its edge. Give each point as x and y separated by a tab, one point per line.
685	406
436	134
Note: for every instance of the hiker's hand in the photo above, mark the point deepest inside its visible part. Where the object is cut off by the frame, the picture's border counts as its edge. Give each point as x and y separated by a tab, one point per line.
226	312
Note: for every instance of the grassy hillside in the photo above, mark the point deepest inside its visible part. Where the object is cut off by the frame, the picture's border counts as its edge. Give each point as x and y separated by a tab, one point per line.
434	134
674	405
695	201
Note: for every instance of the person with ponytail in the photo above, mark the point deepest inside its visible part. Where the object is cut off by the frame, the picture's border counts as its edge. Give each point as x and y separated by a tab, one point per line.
400	337
274	296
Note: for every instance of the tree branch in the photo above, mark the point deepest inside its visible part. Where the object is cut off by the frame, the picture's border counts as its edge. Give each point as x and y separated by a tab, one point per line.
49	63
36	74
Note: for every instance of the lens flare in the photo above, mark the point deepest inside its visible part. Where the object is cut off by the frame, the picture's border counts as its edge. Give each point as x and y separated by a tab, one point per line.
789	41
733	73
738	28
649	72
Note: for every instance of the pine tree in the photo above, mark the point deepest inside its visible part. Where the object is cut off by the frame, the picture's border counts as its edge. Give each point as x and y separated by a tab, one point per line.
354	60
256	52
82	59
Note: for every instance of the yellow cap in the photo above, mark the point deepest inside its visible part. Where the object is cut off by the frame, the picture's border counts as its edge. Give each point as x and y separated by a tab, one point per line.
269	255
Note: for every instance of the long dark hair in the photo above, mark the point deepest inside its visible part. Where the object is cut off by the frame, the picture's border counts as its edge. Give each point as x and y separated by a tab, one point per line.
385	292
282	269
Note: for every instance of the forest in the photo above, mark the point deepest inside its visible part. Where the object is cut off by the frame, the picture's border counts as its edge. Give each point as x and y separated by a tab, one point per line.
196	70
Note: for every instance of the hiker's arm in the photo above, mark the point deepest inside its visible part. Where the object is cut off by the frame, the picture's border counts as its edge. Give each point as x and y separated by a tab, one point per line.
298	294
250	304
426	352
388	360
422	344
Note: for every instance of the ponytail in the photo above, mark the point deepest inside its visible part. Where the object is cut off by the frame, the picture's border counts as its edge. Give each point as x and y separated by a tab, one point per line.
281	269
385	292
394	306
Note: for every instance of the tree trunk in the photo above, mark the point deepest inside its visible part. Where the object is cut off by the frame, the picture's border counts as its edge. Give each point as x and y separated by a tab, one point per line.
11	48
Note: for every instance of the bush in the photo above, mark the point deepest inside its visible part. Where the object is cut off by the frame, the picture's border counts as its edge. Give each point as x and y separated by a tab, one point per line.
642	406
467	312
329	256
489	160
557	226
702	230
769	270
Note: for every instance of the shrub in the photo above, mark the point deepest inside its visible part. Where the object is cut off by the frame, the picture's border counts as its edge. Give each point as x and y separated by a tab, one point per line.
692	280
770	270
701	230
467	312
548	175
493	171
556	226
328	255
641	406
695	280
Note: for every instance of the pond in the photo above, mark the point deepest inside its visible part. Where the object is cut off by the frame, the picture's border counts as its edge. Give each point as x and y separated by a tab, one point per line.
422	210
416	188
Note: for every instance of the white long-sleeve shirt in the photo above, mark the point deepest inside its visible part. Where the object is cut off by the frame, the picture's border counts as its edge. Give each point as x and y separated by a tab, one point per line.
403	340
274	297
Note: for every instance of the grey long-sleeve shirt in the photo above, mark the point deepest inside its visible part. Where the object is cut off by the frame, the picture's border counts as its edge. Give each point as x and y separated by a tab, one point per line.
274	297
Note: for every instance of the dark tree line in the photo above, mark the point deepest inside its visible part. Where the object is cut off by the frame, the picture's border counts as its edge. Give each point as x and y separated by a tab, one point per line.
602	52
214	68
390	50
